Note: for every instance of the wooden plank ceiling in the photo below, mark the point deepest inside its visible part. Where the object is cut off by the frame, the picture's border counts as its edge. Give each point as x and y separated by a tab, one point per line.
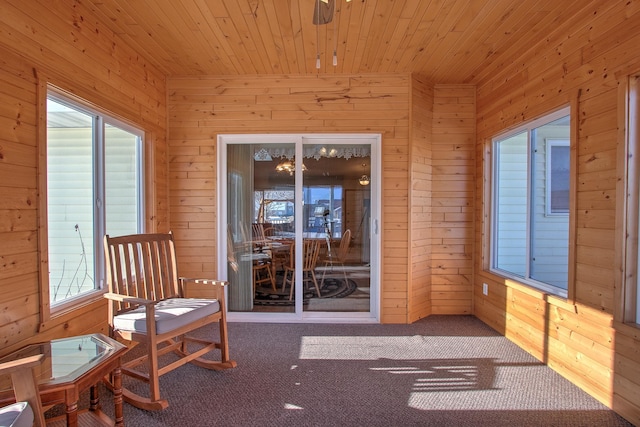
447	41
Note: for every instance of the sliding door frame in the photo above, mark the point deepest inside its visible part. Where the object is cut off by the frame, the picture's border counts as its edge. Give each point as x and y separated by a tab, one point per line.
374	140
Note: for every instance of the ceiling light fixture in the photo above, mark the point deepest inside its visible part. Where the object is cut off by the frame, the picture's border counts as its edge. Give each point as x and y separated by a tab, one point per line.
323	17
288	166
364	179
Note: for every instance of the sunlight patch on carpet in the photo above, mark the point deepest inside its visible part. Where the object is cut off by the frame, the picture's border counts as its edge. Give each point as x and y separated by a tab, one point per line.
292	406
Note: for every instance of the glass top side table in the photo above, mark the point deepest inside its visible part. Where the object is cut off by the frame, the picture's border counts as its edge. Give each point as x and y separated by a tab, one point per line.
72	365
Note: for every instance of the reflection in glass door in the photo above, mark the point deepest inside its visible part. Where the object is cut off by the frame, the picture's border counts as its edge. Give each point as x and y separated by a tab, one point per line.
336	215
277	204
260	228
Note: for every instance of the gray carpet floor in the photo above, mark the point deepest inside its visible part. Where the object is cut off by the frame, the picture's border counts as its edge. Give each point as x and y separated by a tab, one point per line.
440	371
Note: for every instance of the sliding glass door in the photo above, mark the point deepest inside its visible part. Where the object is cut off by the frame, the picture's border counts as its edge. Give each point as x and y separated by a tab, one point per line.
299	223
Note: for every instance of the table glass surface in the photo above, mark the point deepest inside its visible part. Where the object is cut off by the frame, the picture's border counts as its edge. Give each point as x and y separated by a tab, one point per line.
67	359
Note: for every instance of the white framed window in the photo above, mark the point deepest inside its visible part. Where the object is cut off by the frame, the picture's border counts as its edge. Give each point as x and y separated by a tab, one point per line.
530	203
628	226
93	187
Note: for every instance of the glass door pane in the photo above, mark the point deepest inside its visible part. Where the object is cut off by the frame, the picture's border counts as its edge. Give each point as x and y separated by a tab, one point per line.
336	216
261	227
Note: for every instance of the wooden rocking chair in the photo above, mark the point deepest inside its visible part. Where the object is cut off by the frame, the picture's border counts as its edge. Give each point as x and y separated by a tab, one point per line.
149	305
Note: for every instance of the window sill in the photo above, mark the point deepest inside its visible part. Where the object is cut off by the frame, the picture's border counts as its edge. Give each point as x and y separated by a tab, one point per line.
72	308
76	302
537	287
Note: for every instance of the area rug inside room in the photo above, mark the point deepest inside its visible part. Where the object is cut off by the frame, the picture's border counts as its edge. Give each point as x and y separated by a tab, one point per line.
439	371
330	288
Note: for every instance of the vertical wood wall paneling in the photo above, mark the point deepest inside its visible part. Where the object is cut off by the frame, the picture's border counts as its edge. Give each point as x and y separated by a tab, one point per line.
453	190
420	214
576	340
18	198
112	77
202	108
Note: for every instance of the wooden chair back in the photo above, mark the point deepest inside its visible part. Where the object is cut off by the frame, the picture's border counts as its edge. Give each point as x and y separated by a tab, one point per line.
142	266
310	254
345	241
258	231
311	251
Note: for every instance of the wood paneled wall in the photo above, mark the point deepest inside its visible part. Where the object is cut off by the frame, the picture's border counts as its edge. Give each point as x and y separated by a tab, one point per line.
453	191
202	108
61	43
420	219
581	64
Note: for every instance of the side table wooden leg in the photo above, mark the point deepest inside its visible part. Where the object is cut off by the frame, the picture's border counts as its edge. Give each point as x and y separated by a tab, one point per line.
117	397
94	401
72	414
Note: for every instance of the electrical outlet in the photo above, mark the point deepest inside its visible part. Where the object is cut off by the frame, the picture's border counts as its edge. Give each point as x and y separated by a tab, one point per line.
485	289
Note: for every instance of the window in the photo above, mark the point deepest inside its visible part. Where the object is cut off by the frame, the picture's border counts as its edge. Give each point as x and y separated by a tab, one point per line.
323	209
530	200
628	281
93	187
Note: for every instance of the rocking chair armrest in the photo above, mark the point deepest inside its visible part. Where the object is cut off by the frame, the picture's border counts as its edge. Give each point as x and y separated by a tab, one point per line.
15	365
131	300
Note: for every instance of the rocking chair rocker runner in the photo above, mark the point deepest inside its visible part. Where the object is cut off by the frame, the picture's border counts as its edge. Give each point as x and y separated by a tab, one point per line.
149	305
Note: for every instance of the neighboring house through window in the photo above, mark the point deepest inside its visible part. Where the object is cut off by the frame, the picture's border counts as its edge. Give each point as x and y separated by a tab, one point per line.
530	203
94	176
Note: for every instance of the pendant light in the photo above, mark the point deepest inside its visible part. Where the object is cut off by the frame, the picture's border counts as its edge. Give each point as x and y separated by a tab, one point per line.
364	179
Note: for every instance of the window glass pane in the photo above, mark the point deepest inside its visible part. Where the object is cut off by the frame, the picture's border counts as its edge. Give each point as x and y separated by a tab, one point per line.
550	224
121	181
558	177
93	188
70	201
275	207
323	209
531	203
511	204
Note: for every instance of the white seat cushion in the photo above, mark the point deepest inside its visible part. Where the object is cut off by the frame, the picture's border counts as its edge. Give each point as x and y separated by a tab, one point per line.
170	314
17	415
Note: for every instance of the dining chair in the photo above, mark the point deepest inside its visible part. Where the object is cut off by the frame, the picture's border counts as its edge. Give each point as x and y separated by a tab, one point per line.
338	256
310	252
262	270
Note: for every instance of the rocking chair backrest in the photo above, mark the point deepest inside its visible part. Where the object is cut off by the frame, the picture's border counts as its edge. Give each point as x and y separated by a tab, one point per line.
142	266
